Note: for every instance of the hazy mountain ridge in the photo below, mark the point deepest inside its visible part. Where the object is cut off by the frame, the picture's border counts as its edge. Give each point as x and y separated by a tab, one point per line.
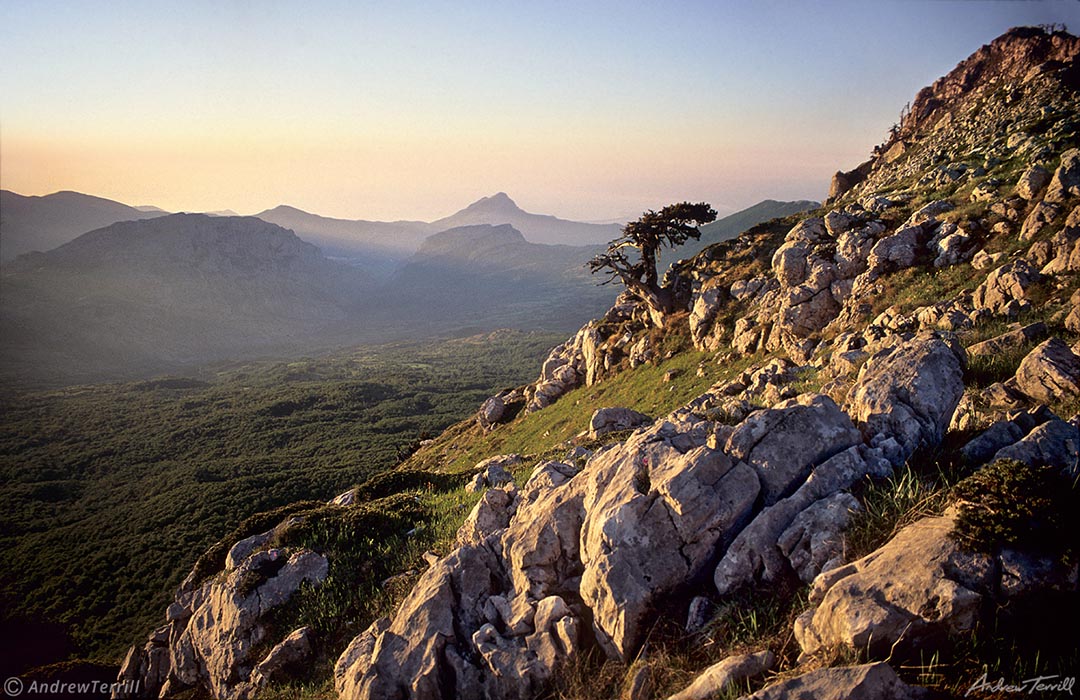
537	228
492	274
31	223
377	246
160	293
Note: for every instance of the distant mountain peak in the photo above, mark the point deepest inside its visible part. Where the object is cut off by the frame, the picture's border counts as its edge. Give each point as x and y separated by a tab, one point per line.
498	202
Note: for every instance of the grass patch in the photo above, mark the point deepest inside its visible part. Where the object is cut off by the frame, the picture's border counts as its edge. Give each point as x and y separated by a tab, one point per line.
919	286
641	389
890	505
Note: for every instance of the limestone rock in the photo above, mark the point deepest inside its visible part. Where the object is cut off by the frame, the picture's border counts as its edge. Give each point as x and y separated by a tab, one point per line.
1055	443
493	472
1023	574
1032	182
1066	180
657	508
706	304
243	549
755	556
908	393
1004	286
1050	372
952	249
420	654
548	475
291	651
913	591
500	408
814	540
608	420
929	212
697	615
743	289
784	442
214	647
999	435
1008	341
491	514
1072	321
346	498
875	681
733	669
1040	217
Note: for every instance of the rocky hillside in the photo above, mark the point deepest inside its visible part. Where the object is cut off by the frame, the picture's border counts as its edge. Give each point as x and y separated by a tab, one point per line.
846	467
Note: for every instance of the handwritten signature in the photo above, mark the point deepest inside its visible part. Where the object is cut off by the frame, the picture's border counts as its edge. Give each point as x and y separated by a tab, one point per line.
1041	684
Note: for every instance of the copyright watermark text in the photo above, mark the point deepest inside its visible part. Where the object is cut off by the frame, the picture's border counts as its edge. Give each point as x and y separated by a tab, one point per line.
15	687
1040	684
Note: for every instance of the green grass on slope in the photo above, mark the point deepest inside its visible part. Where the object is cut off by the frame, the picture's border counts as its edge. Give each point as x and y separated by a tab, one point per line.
539	434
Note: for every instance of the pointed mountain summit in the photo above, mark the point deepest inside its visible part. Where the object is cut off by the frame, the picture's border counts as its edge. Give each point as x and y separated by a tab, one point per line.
537	228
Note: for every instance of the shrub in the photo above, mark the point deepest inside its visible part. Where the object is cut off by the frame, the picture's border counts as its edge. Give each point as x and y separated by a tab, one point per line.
1009	503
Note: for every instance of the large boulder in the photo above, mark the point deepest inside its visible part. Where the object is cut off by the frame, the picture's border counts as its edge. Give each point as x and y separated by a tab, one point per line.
703	312
802	532
896	252
423	653
212	647
783	443
1050	372
914	591
657	509
1008	340
905	395
1032	182
1055	443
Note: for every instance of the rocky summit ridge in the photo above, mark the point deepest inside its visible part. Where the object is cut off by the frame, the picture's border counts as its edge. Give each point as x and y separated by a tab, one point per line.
925	321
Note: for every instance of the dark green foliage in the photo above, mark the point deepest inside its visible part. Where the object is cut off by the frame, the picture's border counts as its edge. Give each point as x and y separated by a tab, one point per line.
1009	503
670	227
213	559
366	544
109	494
401	480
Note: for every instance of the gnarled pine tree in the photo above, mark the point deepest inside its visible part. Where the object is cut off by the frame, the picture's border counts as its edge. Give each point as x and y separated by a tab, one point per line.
642	239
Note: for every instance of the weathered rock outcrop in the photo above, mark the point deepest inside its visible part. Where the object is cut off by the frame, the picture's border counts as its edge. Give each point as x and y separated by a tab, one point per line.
913	591
905	395
1050	372
611	543
783	443
609	420
215	628
801	533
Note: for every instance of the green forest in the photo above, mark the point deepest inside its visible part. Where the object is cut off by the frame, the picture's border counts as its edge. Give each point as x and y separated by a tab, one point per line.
110	493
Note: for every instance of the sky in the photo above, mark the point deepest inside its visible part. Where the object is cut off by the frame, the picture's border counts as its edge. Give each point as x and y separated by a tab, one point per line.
411	110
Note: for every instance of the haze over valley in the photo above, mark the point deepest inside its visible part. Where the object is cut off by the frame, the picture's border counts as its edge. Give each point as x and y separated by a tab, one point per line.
153	292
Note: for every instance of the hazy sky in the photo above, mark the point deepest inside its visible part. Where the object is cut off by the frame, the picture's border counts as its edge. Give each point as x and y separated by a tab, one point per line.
387	110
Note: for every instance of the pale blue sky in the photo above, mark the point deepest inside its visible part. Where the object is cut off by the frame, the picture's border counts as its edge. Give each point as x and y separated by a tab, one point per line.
586	110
